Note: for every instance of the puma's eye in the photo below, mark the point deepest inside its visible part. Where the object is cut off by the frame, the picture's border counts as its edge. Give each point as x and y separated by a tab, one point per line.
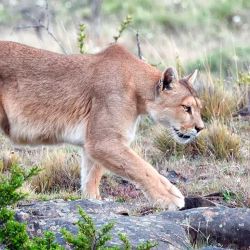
187	108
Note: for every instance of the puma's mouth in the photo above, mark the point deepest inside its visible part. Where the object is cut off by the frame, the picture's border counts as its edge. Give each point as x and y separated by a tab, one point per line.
181	137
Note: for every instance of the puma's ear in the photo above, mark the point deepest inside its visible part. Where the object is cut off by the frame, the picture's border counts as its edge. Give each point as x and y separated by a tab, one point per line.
192	77
167	79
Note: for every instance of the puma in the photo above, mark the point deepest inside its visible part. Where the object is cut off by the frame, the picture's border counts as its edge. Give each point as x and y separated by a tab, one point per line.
94	101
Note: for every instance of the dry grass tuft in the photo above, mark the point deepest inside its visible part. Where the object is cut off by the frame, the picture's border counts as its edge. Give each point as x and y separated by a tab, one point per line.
60	171
217	140
164	142
199	146
219	102
222	142
9	158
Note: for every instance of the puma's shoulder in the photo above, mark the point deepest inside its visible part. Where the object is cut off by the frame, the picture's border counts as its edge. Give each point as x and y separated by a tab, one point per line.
117	52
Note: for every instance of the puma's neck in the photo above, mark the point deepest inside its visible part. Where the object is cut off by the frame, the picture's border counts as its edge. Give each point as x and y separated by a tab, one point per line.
146	86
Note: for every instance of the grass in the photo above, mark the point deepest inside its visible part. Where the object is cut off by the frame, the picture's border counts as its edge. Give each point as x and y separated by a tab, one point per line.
166	144
211	40
163	13
217	141
223	61
60	171
222	142
219	102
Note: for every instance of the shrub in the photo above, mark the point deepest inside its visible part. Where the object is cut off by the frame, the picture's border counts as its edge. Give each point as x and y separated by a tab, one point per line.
88	236
12	233
14	236
91	238
9	186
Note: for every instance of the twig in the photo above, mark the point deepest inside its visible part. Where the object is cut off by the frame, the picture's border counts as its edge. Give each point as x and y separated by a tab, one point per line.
123	26
46	27
152	47
138	45
47	13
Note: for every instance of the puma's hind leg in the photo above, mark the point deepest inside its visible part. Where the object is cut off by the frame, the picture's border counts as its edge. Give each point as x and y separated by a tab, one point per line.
91	174
4	122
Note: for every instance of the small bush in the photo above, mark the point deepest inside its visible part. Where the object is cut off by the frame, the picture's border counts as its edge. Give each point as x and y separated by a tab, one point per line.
89	237
14	236
12	233
11	183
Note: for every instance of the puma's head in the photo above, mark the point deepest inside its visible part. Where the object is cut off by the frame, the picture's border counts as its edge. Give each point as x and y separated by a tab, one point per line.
177	106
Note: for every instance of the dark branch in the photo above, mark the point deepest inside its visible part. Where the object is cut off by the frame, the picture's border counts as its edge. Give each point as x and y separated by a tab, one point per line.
46	27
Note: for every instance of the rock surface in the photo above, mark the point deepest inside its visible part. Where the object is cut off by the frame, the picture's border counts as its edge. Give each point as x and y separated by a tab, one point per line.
230	227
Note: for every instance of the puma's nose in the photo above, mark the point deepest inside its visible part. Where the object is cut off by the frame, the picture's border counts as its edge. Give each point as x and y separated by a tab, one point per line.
198	129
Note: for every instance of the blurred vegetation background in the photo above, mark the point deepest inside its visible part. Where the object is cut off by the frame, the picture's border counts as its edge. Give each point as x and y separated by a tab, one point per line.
214	33
212	36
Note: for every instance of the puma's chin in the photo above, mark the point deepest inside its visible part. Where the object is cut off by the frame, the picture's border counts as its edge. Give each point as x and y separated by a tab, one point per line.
182	138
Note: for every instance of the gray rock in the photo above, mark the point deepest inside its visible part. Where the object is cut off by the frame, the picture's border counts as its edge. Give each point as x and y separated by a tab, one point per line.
226	226
54	215
172	230
214	248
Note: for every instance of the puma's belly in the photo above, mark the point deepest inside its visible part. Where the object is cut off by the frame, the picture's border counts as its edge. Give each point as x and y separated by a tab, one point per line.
74	134
28	132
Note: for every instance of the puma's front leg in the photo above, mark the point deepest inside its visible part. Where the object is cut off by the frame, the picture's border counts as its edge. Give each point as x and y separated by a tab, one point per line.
117	157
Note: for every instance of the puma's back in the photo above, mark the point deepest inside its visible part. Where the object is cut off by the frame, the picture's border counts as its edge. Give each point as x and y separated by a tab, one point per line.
43	94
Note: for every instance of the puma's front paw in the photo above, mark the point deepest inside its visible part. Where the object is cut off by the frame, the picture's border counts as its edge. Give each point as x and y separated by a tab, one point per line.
166	195
177	200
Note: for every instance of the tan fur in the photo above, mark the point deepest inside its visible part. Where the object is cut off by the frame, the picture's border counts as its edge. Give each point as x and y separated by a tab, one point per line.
93	101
